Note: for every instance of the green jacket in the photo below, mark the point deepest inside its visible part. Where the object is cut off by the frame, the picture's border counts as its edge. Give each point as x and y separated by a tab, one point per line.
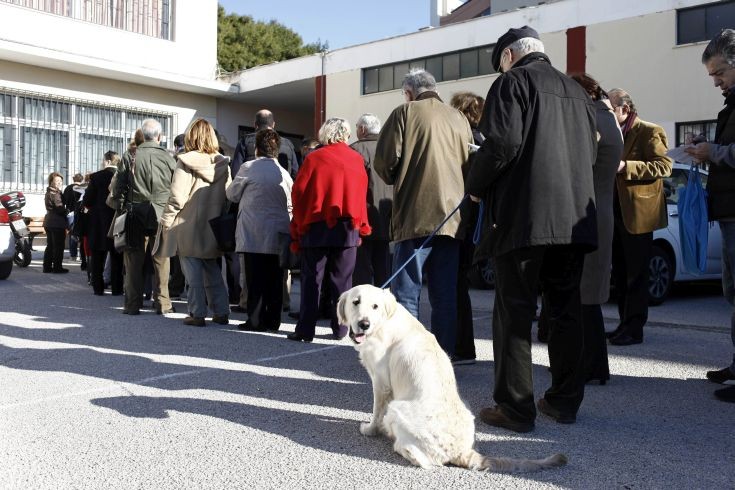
420	151
151	178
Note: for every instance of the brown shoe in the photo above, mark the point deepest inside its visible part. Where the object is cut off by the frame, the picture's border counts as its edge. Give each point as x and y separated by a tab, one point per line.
194	321
494	416
221	320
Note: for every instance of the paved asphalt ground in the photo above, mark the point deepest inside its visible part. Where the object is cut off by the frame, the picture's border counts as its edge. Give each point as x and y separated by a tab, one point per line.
92	398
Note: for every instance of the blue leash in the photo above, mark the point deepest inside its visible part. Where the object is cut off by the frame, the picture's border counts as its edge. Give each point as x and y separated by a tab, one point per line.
428	239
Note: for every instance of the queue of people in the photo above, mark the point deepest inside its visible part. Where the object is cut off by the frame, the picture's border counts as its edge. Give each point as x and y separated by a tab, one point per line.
556	179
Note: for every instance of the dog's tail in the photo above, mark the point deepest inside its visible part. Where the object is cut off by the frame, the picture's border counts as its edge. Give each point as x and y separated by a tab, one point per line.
477	461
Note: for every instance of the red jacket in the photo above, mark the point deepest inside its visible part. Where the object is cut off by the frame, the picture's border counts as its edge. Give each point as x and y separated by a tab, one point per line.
331	184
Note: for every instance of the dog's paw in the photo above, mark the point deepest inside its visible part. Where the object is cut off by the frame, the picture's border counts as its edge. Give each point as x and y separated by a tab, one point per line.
368	429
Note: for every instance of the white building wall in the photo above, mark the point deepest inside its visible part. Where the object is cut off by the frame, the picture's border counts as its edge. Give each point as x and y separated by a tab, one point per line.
667	82
192	52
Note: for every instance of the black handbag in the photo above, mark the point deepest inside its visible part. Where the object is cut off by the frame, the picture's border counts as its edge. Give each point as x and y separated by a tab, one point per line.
223	227
286	258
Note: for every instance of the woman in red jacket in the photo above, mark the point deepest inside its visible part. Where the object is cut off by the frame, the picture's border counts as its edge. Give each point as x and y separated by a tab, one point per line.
329	216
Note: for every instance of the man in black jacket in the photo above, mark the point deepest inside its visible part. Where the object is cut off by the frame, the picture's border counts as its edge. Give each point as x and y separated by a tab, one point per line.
719	60
534	171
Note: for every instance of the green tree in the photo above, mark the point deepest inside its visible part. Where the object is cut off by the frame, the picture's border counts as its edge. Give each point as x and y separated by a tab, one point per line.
243	42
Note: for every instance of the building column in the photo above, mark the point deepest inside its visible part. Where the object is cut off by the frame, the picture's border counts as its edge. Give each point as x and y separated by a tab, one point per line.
577	49
320	102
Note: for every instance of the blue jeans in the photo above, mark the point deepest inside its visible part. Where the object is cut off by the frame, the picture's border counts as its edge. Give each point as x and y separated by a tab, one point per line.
440	260
206	286
728	274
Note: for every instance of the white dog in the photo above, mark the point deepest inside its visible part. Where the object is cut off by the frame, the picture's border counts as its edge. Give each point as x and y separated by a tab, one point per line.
415	398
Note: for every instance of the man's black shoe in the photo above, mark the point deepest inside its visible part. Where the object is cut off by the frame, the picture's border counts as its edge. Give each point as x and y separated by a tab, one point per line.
562	418
60	270
494	416
726	394
294	315
624	339
238	309
720	376
298	338
249	327
614	333
159	311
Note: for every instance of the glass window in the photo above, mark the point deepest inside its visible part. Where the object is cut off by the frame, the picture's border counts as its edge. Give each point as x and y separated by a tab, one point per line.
417	64
370	81
148	17
450	67
468	64
704	22
399	72
385	78
687	131
43	111
6	105
92	147
434	66
484	61
42	151
691	26
719	16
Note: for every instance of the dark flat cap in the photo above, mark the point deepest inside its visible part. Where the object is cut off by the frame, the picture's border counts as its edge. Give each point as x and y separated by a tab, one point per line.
509	38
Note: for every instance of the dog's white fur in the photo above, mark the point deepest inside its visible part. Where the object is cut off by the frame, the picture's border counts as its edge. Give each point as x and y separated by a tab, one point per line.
415	398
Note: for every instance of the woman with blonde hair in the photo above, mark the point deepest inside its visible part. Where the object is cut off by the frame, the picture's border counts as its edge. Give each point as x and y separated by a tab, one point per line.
198	195
54	224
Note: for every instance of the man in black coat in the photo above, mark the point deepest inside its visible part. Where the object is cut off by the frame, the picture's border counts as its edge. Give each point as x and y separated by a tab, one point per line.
534	171
719	61
100	217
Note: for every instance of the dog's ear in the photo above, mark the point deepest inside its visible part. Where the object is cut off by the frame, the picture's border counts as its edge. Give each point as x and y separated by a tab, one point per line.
341	315
389	303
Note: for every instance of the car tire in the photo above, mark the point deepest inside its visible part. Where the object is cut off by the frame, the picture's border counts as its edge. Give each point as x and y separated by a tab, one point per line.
661	270
5	269
482	275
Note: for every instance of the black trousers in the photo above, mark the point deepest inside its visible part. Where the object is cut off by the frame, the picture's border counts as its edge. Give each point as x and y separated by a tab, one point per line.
631	255
340	262
595	344
177	283
517	277
465	346
98	269
53	256
265	290
372	264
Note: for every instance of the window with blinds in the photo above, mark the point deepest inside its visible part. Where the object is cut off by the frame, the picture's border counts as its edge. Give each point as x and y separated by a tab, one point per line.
148	17
40	135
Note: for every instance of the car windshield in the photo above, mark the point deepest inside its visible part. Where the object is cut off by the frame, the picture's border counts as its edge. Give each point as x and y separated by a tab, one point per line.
678	180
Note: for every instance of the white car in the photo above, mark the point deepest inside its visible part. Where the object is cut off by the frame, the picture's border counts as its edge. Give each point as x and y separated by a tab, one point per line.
666	266
7	245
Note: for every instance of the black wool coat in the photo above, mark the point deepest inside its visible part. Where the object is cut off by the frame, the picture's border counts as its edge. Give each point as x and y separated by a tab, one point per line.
534	169
99	216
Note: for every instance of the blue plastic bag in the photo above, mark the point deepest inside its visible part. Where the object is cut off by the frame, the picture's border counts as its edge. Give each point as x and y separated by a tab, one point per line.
693	223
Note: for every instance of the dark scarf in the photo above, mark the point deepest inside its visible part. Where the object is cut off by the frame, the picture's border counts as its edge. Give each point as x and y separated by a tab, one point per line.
429	94
625	128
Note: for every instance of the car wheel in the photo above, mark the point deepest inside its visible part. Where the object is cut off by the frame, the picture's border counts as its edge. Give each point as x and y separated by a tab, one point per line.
23	254
5	269
660	275
482	275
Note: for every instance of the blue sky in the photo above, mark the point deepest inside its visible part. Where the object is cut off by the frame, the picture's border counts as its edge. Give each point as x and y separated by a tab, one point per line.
341	23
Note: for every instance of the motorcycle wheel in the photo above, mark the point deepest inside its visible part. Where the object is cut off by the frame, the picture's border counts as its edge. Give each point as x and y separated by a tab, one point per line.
22	257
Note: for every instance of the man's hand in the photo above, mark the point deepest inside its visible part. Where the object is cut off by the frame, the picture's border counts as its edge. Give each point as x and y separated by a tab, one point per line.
475	199
699	151
621	167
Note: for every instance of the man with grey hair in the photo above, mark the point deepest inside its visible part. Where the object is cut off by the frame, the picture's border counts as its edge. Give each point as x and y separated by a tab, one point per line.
420	151
534	172
373	256
719	61
143	187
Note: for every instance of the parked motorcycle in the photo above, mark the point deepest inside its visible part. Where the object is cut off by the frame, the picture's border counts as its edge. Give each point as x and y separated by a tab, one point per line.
13	202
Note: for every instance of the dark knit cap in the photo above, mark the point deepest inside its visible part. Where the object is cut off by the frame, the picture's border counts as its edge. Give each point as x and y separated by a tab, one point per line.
509	38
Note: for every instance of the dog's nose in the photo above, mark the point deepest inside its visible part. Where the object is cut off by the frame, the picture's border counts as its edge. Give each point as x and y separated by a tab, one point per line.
364	324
